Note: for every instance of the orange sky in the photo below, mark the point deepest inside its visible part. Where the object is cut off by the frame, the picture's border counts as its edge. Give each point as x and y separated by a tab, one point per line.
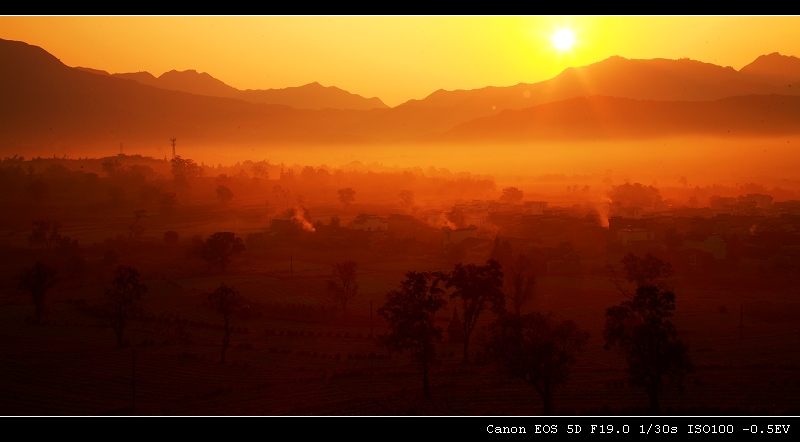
393	58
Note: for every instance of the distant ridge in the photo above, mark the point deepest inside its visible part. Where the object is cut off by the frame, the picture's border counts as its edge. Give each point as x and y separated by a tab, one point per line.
309	96
776	69
656	79
44	103
601	117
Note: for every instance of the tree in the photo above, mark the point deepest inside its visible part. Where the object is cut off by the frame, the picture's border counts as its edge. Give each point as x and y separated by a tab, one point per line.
345	287
346	196
407	198
183	169
649	271
224	300
168	201
521	282
224	194
219	248
410	313
112	166
135	230
45	233
511	195
537	349
479	288
648	340
122	296
37	280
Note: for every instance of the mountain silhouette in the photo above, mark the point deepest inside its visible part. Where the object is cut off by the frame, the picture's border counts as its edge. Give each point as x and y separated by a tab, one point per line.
46	103
309	96
656	79
601	117
776	69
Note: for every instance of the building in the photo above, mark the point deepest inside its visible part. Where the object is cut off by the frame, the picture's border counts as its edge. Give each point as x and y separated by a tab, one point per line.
370	223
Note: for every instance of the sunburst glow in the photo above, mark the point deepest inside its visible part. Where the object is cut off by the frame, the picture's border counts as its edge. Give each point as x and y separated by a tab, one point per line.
563	39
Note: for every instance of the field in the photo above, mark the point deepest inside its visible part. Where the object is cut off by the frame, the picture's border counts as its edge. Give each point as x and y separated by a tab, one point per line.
294	353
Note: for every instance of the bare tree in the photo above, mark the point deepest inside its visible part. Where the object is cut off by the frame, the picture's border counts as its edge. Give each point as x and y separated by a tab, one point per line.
344	287
224	300
125	291
37	280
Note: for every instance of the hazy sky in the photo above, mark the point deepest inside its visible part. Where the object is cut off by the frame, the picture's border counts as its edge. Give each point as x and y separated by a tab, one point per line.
393	58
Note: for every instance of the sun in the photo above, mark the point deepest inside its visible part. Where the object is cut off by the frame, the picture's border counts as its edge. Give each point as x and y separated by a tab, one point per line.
563	39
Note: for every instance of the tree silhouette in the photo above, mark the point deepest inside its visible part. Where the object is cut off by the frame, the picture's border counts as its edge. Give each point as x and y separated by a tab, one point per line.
37	280
649	271
345	286
224	300
45	233
407	198
122	296
521	282
224	194
346	196
183	169
537	349
648	340
479	288
219	248
112	166
168	201
410	313
135	230
511	195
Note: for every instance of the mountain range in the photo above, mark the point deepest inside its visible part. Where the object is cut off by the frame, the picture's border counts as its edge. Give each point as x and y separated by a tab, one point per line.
46	103
309	96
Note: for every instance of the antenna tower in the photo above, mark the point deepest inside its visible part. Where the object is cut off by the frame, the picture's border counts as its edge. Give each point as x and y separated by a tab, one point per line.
173	140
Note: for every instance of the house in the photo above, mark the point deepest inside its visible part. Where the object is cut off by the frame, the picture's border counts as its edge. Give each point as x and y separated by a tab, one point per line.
450	236
712	244
629	236
370	223
534	207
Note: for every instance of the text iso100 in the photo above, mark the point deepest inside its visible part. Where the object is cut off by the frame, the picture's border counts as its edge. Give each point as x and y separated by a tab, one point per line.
710	429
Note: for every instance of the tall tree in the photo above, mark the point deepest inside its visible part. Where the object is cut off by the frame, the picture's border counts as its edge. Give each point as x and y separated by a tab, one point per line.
125	291
219	248
537	349
224	300
410	313
479	288
648	340
345	286
521	282
183	170
37	280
